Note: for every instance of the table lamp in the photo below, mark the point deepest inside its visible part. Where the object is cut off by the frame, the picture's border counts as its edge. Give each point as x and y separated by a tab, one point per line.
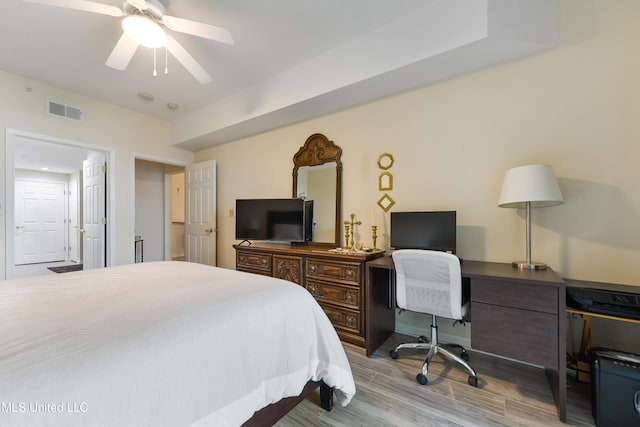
526	187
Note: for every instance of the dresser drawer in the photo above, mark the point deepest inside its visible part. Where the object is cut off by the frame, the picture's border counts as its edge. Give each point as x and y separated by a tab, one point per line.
524	335
528	296
253	262
345	272
288	268
343	295
343	318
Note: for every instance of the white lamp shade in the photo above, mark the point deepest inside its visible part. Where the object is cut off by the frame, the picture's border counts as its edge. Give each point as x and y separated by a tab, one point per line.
533	183
144	31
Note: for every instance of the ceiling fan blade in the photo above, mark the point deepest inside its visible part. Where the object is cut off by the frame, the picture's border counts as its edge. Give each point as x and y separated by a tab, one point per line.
199	29
122	53
84	5
187	61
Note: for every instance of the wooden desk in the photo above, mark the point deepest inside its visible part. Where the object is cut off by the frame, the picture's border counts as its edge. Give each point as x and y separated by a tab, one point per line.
514	313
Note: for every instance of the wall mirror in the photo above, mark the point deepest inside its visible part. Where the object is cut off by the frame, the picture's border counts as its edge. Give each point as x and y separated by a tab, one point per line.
317	176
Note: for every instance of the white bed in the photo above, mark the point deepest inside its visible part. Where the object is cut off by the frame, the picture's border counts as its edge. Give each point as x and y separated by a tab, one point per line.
162	344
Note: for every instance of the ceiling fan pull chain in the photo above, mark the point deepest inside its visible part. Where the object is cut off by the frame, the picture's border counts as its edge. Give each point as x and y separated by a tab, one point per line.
155	72
166	60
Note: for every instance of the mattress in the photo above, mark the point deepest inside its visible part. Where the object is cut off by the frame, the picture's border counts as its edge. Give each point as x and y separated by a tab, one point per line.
162	344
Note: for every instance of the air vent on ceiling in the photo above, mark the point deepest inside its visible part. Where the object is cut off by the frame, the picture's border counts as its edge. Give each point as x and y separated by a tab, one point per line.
63	110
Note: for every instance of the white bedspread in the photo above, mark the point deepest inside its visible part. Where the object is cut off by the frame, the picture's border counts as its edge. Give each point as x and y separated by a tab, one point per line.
159	344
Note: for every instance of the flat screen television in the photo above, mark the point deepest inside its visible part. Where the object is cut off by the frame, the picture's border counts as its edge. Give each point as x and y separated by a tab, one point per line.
286	220
434	230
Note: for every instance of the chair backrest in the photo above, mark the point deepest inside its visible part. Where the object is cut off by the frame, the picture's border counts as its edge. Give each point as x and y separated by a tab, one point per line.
428	282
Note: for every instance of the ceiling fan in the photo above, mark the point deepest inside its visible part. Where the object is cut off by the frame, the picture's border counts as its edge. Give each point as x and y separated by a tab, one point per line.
142	25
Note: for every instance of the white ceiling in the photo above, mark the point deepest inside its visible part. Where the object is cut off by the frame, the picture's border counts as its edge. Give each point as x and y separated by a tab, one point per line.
292	59
43	156
68	48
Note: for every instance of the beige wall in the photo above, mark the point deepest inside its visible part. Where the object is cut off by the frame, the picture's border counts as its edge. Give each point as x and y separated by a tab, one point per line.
576	107
104	125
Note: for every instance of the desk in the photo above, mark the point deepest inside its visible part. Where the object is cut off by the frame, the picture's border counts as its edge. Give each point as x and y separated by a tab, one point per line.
514	313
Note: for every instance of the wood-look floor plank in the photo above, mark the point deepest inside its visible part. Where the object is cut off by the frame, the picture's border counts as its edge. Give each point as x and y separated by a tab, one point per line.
508	394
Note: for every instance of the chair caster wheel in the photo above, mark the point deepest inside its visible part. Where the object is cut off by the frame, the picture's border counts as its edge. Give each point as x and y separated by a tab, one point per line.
422	379
393	354
473	381
423	339
464	356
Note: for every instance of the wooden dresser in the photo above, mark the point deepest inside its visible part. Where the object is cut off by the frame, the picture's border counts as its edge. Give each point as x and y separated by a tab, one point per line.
336	280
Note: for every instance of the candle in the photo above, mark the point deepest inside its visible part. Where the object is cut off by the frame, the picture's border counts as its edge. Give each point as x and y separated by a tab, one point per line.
373	217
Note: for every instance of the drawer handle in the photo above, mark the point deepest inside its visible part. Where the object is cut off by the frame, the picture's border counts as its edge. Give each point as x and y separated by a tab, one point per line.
636	401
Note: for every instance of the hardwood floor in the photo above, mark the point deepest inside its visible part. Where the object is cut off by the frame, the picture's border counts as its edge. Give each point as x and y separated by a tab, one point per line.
508	394
40	269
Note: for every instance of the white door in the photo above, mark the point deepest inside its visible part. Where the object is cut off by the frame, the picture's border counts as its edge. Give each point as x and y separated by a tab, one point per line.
39	222
200	215
94	217
74	221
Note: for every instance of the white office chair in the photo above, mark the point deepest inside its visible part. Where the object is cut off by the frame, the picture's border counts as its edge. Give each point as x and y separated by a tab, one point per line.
430	282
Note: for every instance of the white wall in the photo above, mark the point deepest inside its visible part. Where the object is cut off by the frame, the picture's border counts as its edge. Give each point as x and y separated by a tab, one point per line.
575	107
149	202
104	125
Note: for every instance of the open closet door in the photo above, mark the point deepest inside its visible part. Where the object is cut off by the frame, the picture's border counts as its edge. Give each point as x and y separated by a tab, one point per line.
94	213
200	215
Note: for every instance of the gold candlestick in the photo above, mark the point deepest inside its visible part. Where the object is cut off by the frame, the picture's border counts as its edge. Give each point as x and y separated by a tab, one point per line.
346	233
374	236
352	224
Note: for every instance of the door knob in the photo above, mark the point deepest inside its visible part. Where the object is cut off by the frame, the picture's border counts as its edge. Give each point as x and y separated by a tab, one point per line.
18	227
209	230
82	230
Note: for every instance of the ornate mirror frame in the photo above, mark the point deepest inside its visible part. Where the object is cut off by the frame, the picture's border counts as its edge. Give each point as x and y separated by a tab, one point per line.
318	150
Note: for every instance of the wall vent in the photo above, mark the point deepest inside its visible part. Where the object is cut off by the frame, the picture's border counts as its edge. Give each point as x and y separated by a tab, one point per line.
62	110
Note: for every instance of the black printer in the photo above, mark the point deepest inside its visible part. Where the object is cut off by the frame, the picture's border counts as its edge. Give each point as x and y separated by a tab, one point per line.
604	298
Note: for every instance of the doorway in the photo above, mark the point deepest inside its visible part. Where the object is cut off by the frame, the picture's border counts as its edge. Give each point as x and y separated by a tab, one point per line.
168	225
159	210
43	225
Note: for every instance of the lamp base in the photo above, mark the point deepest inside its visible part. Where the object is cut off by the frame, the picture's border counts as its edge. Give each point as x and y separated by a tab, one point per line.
524	265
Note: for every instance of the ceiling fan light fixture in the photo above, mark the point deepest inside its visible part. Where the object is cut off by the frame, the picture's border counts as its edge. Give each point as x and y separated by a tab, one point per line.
144	31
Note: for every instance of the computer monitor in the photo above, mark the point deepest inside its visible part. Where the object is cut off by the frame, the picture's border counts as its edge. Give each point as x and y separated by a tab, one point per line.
435	230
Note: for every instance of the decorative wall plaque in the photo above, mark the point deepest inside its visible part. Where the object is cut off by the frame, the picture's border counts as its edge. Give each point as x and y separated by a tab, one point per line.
385	161
385	202
385	181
